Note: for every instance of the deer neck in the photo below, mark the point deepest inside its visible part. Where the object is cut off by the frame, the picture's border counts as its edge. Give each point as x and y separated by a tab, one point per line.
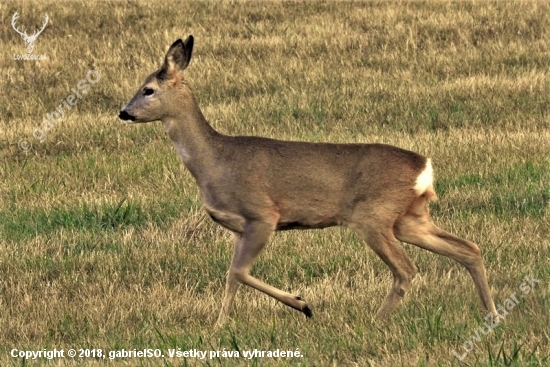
193	137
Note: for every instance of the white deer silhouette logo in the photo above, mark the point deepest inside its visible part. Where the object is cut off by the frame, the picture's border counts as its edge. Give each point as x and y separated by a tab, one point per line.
29	40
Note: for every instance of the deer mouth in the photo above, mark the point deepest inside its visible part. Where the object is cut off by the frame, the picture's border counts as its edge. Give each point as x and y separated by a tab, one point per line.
123	115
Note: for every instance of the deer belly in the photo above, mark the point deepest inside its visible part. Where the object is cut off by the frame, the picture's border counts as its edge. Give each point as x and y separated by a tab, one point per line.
307	224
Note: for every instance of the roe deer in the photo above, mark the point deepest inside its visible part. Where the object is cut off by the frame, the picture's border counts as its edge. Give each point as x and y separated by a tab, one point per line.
254	186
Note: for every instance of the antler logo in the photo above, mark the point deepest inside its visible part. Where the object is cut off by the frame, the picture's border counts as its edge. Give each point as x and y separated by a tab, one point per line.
29	40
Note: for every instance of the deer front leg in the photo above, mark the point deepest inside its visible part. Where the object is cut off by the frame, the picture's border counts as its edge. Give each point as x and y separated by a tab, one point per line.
231	287
247	247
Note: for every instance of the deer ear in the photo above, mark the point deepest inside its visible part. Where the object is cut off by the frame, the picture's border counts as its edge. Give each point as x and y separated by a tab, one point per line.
178	56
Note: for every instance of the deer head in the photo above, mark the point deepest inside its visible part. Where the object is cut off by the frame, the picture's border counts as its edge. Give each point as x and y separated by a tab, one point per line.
29	40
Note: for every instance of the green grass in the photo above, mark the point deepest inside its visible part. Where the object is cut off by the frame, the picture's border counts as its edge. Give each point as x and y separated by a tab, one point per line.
103	241
21	224
521	191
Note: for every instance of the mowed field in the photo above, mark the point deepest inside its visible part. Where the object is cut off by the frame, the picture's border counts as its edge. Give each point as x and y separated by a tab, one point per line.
103	241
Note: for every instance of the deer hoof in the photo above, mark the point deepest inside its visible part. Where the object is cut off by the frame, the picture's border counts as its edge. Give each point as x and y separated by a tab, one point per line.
307	311
304	308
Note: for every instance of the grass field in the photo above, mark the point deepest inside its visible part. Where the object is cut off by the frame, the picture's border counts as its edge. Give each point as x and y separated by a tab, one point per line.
103	242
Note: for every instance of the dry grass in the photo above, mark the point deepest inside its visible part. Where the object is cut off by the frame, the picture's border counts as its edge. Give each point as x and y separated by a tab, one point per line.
103	243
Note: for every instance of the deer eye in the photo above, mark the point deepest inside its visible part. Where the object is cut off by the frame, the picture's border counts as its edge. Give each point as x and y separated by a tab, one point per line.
148	91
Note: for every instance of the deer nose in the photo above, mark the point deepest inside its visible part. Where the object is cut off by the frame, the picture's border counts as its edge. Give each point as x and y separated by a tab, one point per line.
126	116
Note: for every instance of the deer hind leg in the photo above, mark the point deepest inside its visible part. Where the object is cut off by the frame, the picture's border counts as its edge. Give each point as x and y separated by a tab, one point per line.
248	246
386	246
417	228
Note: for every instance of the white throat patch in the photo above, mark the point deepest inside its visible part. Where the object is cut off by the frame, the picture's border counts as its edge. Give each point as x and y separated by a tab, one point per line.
182	152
